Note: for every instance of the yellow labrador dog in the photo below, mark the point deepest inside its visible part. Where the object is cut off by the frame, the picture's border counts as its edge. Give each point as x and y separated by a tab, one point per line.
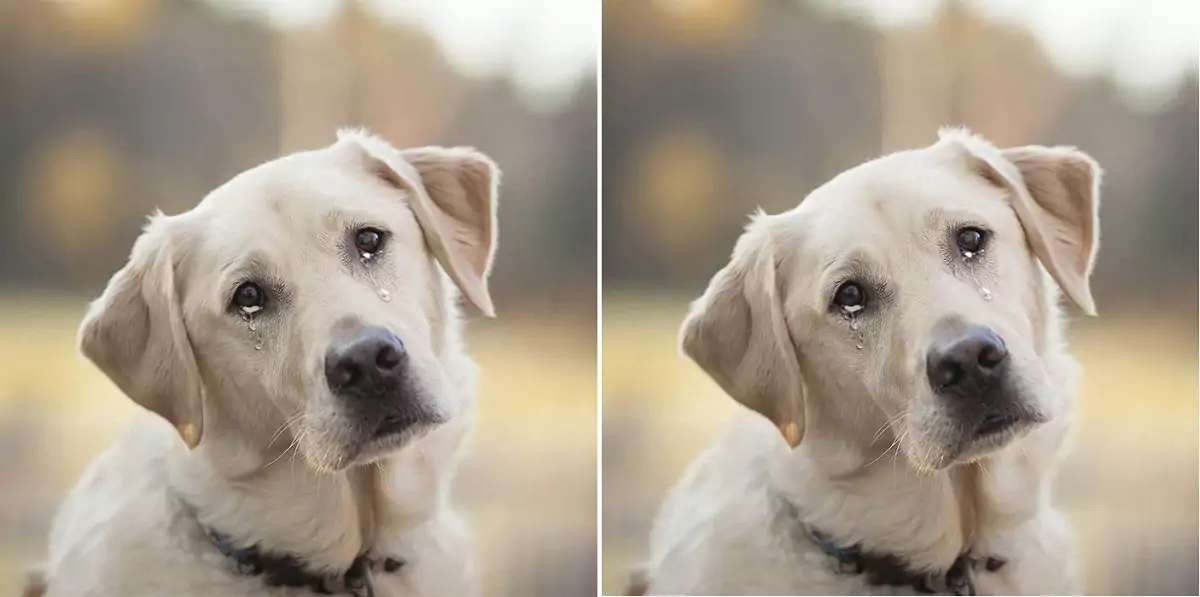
297	337
898	335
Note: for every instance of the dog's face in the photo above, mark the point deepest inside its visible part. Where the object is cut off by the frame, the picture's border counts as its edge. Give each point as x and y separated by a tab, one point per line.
907	294
306	299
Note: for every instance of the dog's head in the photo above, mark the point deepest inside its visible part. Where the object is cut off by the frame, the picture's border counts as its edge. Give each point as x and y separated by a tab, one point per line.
308	298
909	293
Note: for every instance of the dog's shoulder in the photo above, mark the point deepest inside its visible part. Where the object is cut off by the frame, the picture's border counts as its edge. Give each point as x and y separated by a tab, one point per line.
119	521
723	529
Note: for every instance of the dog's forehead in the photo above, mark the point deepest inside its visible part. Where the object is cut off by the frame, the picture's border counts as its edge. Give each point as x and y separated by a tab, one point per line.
316	195
301	183
892	199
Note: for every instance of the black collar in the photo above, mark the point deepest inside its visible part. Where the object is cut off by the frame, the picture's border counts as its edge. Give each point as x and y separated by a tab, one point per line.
287	570
891	570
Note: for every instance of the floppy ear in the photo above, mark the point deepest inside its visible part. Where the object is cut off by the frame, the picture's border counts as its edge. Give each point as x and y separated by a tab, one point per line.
737	333
1056	194
136	335
452	192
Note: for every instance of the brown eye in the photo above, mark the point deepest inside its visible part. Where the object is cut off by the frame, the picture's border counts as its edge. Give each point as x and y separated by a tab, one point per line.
970	240
368	241
850	296
249	298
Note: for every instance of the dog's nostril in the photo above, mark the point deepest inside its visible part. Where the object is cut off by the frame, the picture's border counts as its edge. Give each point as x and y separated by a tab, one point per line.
388	358
343	374
948	374
992	354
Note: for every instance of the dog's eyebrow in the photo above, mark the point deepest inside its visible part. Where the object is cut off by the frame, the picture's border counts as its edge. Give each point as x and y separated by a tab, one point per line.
854	260
937	217
249	262
341	217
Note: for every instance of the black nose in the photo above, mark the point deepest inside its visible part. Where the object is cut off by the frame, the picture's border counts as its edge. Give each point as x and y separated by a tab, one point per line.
966	362
373	360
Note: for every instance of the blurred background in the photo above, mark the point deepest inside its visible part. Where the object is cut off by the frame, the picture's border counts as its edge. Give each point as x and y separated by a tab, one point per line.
111	108
714	107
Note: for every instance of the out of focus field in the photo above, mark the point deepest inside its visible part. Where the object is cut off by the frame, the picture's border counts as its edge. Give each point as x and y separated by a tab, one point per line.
1130	486
528	486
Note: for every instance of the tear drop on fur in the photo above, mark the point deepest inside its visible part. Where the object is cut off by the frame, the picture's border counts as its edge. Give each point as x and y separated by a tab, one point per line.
854	324
968	255
987	294
253	325
258	345
859	345
366	256
385	295
251	310
852	309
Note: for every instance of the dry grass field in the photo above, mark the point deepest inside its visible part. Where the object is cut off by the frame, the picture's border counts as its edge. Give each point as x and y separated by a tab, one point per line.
1130	487
528	487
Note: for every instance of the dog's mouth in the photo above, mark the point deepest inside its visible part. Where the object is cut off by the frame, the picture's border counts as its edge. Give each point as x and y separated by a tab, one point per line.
392	432
995	423
364	435
396	424
994	432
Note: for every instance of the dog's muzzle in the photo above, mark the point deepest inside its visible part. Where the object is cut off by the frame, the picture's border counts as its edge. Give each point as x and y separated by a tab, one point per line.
370	372
969	369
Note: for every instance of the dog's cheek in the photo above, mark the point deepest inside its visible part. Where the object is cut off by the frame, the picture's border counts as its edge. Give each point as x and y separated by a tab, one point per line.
930	432
325	442
1037	391
898	377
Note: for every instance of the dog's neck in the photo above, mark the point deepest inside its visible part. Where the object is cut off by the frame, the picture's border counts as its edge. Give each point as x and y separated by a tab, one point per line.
324	519
927	519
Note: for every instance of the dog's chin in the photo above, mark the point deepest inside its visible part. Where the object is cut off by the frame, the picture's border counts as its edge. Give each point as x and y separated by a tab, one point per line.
980	443
976	448
392	438
371	441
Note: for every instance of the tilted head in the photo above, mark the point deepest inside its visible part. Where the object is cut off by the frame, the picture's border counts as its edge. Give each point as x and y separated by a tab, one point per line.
310	296
910	292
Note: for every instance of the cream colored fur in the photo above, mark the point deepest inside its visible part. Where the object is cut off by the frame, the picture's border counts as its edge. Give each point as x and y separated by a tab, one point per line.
251	441
872	462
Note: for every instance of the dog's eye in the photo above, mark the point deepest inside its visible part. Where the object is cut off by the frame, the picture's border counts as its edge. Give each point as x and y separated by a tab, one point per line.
971	240
850	297
368	241
249	298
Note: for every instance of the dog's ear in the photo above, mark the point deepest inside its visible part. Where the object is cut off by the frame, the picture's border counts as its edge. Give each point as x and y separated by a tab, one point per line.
452	192
738	334
136	335
1056	194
